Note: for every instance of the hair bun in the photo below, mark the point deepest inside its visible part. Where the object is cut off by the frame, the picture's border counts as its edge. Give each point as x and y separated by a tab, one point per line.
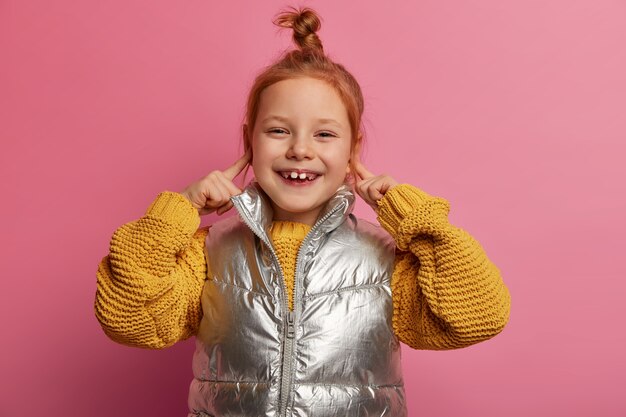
304	22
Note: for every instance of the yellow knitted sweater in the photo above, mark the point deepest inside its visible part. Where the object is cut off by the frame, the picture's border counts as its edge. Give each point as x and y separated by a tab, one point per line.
446	293
286	238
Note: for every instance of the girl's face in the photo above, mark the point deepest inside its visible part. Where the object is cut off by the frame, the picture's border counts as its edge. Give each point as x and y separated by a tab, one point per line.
302	127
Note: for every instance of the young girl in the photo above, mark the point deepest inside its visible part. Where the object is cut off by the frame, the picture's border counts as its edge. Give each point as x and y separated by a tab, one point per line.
298	306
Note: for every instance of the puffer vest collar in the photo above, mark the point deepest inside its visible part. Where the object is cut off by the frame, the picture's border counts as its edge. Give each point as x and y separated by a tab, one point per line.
255	209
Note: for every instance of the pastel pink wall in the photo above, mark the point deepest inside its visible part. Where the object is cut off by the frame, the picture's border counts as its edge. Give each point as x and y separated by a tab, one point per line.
513	111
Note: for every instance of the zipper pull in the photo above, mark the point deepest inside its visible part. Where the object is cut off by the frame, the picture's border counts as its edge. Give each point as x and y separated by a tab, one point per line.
291	330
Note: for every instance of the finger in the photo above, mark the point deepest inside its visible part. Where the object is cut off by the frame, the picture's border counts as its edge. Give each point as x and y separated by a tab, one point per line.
228	184
221	195
363	191
385	187
357	162
223	209
214	195
362	171
373	191
364	182
235	169
204	211
363	185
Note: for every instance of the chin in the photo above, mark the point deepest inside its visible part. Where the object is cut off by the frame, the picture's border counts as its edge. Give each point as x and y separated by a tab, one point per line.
296	209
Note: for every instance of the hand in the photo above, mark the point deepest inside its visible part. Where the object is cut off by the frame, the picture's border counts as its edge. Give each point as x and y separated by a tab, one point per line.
372	187
213	192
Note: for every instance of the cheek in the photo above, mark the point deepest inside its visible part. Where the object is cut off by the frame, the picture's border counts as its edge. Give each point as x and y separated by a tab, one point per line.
339	165
264	150
344	159
257	166
259	156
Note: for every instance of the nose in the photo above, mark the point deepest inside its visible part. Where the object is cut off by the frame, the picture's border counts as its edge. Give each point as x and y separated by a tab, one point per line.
300	148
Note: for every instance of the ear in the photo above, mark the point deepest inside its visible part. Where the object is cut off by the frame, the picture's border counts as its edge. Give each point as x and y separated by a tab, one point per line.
357	146
247	143
355	153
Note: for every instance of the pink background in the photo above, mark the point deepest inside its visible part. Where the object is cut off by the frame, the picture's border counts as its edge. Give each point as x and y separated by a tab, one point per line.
513	111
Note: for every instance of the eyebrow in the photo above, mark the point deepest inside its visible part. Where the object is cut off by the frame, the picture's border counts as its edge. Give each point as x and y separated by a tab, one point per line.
285	120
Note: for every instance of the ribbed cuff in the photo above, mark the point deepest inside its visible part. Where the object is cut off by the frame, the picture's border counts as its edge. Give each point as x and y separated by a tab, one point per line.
397	203
174	208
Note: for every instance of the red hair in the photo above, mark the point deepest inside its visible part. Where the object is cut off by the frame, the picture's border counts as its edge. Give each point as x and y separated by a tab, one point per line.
308	60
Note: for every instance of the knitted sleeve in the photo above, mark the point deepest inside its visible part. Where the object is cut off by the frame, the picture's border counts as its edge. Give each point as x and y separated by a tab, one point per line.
446	293
149	285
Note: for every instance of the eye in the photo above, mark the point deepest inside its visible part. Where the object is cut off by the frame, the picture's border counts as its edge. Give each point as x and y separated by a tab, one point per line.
277	130
327	134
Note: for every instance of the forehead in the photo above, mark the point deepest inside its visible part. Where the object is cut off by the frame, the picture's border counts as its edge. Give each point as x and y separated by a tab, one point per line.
302	99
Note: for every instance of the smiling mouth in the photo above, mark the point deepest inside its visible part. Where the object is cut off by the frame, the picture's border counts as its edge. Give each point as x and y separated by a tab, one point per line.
294	178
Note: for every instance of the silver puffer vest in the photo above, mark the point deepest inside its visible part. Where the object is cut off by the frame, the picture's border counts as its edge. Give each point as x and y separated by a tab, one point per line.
335	354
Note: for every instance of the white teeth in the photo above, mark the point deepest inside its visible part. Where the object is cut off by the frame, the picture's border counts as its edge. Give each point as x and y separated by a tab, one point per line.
303	175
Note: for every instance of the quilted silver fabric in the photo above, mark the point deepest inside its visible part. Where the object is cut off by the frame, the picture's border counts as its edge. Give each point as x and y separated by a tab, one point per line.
335	354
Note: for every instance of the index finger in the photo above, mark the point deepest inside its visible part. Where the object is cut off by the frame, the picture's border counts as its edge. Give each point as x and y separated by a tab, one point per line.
235	169
362	171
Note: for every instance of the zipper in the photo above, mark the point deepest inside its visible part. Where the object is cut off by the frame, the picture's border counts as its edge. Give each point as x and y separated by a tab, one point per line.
290	331
288	377
287	363
288	315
